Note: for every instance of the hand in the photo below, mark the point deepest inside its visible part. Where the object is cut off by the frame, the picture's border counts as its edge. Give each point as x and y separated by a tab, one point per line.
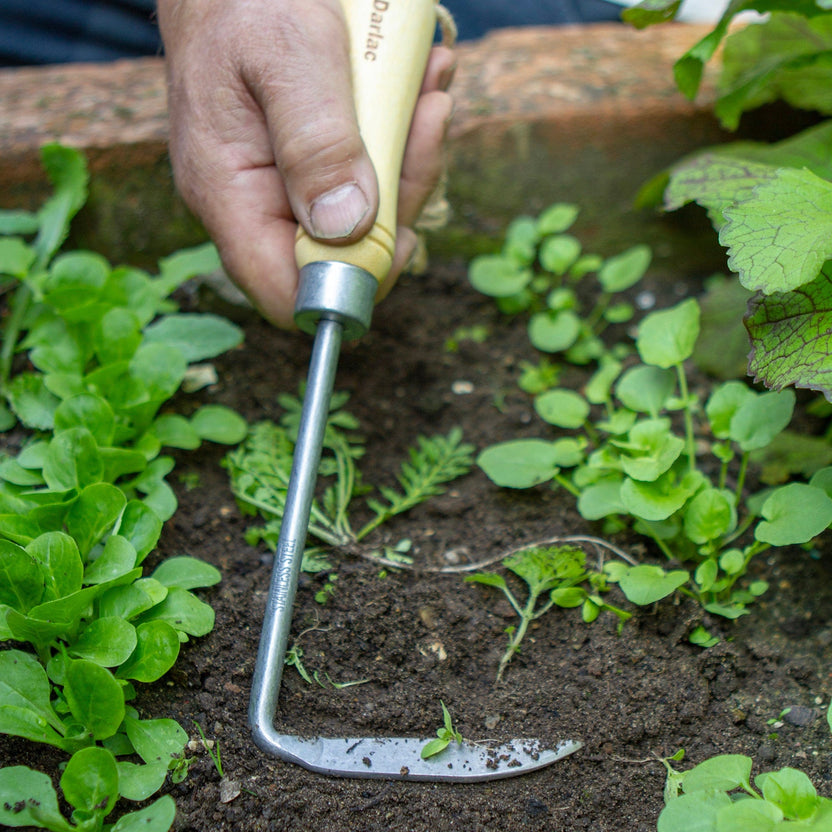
263	136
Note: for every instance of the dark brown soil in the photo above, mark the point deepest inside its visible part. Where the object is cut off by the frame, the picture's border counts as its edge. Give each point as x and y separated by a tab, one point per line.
421	637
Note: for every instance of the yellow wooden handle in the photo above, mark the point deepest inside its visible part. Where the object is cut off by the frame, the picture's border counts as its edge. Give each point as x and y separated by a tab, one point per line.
390	41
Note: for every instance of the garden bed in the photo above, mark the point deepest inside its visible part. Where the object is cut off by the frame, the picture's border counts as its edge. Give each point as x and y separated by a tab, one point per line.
420	637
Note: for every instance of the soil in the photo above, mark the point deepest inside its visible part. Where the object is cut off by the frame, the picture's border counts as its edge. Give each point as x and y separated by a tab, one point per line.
421	637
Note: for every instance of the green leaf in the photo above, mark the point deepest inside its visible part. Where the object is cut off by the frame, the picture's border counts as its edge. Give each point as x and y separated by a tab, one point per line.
647	584
95	511
667	338
561	407
138	781
760	418
95	698
107	641
649	12
659	499
131	600
601	499
498	276
141	527
116	559
158	817
558	253
793	514
434	747
183	611
748	816
156	740
160	367
195	336
32	403
185	264
781	235
519	463
157	648
568	596
21	577
175	431
724	772
73	460
791	790
117	336
625	270
24	684
557	218
487	578
788	336
18	222
68	172
723	404
650	449
597	389
710	515
27	798
186	573
86	410
554	331
61	564
90	781
646	389
219	424
15	257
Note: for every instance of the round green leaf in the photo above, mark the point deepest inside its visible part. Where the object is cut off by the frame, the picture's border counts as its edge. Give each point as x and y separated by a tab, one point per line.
557	218
646	389
554	331
138	781
95	698
520	463
625	270
601	500
564	408
569	596
156	651
183	611
647	584
667	337
156	740
558	253
40	806
175	431
732	562
692	812
107	641
116	559
723	403
158	817
195	336
709	515
794	513
760	418
659	499
756	815
791	790
498	276
186	573
724	772
90	780
87	410
21	577
219	424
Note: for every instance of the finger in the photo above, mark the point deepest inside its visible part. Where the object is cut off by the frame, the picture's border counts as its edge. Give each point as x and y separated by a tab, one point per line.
422	165
440	70
406	242
301	79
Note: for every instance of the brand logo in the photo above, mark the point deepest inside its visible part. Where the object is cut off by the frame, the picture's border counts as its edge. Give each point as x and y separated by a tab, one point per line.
374	30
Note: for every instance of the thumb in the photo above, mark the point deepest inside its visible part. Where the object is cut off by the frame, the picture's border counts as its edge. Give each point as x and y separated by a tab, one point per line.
310	117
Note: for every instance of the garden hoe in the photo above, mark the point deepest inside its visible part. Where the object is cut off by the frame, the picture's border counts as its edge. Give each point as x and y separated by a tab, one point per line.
389	41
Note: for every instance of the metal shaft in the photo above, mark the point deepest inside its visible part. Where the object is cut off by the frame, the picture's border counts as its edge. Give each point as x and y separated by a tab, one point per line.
284	582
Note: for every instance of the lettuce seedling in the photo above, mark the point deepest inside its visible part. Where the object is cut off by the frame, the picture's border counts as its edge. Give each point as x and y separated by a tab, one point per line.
558	571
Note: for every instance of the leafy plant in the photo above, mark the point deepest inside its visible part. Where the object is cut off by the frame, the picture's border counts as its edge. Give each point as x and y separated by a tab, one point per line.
444	736
769	203
260	468
559	571
83	503
543	271
718	795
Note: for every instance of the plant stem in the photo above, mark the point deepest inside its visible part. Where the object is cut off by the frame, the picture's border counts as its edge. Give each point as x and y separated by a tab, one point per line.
683	391
741	476
526	616
565	483
19	306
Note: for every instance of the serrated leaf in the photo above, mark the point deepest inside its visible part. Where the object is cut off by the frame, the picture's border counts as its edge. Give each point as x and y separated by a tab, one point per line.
790	337
780	236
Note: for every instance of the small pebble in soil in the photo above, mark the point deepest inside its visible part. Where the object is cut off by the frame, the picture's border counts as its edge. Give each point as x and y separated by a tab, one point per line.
491	721
229	790
462	387
800	716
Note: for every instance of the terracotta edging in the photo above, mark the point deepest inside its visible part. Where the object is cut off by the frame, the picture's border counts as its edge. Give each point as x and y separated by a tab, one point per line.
575	113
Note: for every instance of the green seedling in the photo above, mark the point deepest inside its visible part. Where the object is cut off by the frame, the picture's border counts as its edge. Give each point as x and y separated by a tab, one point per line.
260	469
627	463
83	504
718	794
770	203
477	334
327	591
444	736
556	572
294	658
212	749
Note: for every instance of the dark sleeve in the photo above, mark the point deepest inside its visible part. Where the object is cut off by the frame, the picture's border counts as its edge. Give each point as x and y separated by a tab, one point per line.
59	31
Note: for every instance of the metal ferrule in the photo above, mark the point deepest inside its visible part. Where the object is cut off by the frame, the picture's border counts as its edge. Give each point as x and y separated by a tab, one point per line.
337	291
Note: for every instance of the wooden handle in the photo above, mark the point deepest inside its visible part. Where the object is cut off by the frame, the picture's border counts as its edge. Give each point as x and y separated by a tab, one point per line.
390	41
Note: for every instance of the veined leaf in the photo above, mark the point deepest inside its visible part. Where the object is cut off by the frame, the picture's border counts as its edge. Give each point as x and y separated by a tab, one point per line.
196	336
